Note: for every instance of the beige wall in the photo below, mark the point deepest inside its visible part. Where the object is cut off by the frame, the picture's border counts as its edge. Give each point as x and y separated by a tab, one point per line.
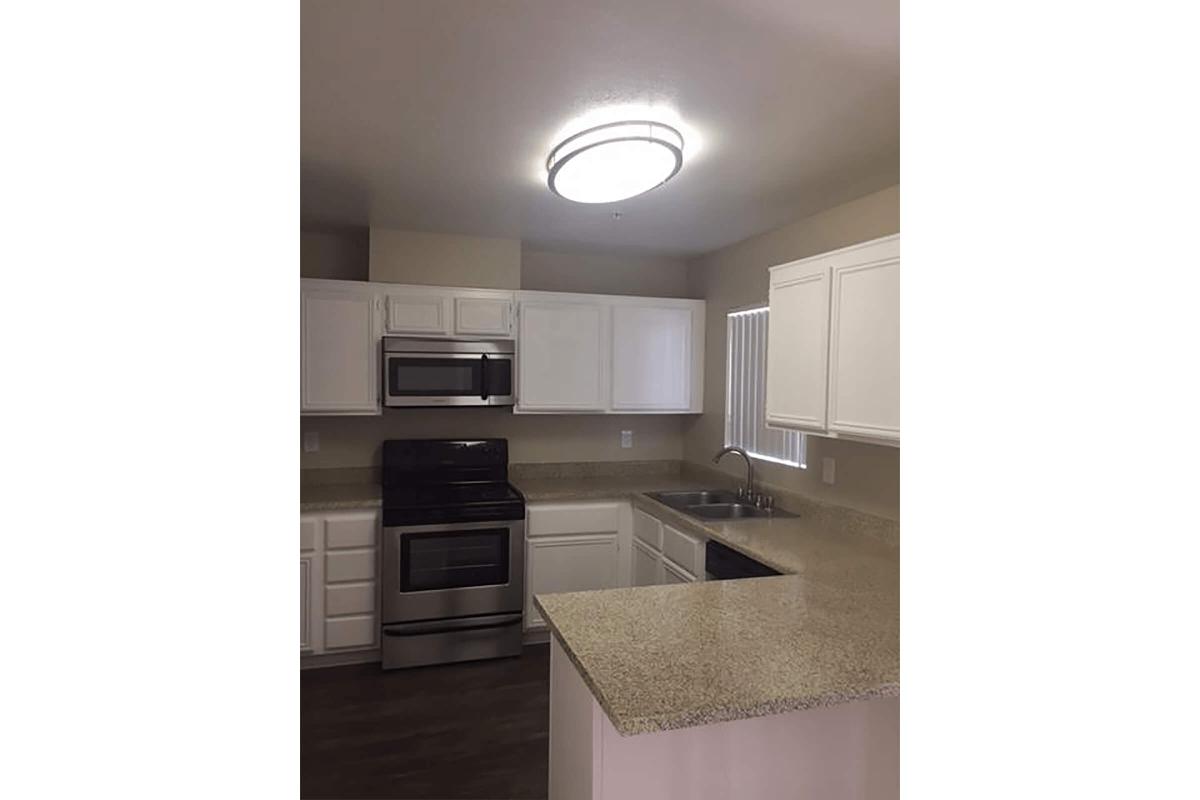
356	441
443	260
868	476
599	274
337	254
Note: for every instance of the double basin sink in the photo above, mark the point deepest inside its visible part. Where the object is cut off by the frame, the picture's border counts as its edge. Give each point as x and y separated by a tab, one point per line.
713	504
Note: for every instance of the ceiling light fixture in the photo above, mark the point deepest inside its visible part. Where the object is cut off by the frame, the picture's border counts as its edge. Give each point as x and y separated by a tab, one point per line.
614	161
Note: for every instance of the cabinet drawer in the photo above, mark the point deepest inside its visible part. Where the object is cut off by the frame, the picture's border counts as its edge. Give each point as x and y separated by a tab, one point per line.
350	598
681	548
308	533
557	518
350	632
351	531
647	529
673	573
351	565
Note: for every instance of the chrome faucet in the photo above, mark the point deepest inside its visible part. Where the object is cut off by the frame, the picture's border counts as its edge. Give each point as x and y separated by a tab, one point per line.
748	491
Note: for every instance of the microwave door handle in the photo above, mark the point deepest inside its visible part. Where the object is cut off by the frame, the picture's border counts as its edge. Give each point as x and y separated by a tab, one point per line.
483	379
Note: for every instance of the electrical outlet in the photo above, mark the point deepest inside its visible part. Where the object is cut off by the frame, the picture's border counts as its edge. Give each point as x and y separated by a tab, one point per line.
626	438
827	470
312	442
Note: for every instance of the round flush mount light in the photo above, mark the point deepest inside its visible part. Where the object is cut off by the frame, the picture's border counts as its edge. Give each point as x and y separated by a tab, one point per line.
614	161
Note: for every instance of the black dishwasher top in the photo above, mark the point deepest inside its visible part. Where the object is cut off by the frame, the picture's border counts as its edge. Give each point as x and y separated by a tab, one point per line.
723	563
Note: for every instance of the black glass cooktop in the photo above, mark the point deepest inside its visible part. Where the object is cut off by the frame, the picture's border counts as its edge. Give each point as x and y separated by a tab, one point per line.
433	481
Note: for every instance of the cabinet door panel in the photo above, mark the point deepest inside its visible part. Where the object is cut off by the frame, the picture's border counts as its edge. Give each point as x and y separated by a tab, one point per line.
482	316
797	347
652	358
306	592
339	351
426	314
562	356
571	563
309	526
864	349
647	566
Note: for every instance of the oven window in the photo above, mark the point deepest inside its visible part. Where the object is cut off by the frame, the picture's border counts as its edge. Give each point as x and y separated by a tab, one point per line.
453	559
434	377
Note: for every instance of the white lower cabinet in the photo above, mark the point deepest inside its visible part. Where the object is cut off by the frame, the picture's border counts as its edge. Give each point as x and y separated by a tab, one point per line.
673	573
647	565
571	547
662	554
339	584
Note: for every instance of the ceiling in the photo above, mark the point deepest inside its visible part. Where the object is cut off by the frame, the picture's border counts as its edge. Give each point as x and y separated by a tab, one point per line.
437	115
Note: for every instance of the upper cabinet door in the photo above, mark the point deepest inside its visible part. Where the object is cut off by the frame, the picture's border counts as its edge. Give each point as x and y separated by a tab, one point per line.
483	316
798	345
562	356
652	354
418	312
339	348
864	344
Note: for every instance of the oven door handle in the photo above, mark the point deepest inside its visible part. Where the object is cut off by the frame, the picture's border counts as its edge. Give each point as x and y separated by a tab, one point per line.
451	625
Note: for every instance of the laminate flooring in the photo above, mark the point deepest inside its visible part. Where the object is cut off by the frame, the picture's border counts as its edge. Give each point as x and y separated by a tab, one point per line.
453	732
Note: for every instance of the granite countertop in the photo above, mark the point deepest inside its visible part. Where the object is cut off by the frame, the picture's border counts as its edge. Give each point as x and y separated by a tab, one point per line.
340	496
605	487
664	657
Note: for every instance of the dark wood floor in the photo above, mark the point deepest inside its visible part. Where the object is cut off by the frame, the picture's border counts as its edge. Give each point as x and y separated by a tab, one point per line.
474	730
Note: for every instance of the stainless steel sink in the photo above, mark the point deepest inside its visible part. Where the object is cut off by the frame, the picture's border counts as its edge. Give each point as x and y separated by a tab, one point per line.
681	500
713	504
728	511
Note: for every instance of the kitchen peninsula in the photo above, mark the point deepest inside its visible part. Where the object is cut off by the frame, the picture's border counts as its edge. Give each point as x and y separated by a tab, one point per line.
782	686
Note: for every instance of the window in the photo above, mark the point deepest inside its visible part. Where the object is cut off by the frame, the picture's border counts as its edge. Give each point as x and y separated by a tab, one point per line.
746	395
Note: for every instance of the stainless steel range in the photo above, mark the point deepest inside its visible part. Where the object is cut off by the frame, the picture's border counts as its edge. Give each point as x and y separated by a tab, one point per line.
453	552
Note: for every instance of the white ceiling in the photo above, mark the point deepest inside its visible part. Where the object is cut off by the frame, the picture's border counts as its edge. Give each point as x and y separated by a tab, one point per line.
436	114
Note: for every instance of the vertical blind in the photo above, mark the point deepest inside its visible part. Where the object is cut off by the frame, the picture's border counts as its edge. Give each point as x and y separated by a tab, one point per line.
745	392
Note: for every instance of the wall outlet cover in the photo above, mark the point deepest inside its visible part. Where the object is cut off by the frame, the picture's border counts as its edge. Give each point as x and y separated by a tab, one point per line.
312	442
626	438
827	470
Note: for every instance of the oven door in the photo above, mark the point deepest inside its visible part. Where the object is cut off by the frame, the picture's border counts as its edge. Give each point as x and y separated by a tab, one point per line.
447	379
434	572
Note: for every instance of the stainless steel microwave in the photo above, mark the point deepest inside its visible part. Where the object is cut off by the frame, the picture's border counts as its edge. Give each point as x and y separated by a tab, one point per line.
447	372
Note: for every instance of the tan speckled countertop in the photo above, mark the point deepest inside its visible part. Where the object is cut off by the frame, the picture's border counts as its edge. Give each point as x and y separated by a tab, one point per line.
664	657
340	496
551	490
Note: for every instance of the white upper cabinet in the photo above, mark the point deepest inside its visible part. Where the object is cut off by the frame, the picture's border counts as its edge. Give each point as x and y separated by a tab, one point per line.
864	347
833	356
414	310
654	358
798	346
562	354
481	314
609	354
339	348
447	311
